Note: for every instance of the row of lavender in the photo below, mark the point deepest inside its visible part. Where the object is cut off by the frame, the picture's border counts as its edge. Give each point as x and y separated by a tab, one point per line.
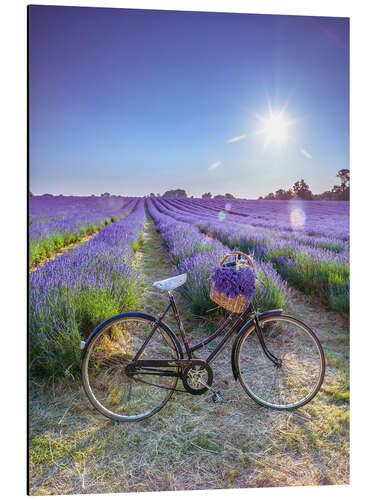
332	244
318	265
310	218
59	221
74	292
196	254
296	218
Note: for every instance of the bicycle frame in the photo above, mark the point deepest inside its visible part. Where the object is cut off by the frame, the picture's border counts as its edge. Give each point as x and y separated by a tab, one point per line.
190	349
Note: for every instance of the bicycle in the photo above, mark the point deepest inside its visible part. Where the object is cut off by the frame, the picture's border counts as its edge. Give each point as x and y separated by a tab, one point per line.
132	362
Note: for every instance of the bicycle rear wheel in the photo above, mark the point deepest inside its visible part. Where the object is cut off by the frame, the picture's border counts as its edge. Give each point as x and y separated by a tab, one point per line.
111	391
301	373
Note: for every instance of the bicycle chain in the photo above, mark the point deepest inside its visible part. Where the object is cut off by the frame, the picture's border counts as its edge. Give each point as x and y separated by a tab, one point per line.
157	385
191	391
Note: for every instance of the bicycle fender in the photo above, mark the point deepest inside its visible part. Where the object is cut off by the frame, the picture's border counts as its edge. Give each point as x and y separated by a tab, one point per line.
234	347
247	325
132	315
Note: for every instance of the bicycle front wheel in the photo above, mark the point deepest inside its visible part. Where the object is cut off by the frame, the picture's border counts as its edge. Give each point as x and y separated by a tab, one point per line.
301	373
110	389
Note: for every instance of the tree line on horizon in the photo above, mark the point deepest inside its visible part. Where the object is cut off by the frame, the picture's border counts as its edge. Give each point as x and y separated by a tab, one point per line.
300	190
181	193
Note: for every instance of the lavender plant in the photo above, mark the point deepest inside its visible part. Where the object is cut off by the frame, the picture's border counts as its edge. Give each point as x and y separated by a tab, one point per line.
318	266
71	294
313	257
196	254
59	221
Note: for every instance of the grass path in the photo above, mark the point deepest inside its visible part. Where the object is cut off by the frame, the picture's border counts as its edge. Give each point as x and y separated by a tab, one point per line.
192	443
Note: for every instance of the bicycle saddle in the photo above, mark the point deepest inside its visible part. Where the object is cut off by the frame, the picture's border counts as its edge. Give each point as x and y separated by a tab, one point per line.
171	283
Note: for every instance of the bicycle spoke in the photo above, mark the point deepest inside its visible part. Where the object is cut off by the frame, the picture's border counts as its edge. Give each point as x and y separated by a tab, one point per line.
107	384
301	368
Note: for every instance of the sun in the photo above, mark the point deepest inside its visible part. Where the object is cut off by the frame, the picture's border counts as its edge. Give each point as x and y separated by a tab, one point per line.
275	127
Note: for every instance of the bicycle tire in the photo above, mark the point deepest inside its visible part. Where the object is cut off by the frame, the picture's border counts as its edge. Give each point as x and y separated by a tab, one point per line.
300	350
109	389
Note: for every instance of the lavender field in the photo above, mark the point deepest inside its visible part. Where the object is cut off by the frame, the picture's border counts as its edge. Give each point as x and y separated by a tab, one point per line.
71	294
294	243
58	221
306	242
122	245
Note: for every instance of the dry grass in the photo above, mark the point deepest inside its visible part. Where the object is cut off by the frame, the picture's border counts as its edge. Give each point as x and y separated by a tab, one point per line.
192	443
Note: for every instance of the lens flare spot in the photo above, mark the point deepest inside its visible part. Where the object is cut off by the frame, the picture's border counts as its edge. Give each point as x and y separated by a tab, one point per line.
221	215
228	207
297	218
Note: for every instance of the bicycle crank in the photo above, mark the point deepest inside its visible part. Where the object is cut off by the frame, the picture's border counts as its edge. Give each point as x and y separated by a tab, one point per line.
217	395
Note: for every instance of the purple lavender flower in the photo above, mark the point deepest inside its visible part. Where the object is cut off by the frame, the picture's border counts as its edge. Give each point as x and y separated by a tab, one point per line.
246	282
231	282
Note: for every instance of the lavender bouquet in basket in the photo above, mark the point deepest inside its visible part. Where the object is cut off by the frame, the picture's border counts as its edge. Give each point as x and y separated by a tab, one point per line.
232	282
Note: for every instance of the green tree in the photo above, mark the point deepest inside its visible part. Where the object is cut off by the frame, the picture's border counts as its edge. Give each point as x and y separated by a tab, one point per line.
270	196
282	194
344	177
302	190
175	193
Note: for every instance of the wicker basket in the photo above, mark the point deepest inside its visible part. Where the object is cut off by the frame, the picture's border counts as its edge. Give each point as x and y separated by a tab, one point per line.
236	305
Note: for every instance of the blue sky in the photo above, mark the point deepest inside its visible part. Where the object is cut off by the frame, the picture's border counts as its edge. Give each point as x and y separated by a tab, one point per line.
135	101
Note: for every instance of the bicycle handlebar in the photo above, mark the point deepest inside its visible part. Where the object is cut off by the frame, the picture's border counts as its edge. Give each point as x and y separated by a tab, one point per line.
229	264
238	254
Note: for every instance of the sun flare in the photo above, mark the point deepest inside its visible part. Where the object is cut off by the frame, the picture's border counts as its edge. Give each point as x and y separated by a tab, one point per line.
275	127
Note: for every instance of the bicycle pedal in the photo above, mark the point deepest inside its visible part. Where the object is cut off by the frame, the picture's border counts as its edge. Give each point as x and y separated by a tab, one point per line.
217	396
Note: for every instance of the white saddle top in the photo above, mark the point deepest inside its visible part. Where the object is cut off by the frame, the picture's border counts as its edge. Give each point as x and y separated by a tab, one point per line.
171	283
